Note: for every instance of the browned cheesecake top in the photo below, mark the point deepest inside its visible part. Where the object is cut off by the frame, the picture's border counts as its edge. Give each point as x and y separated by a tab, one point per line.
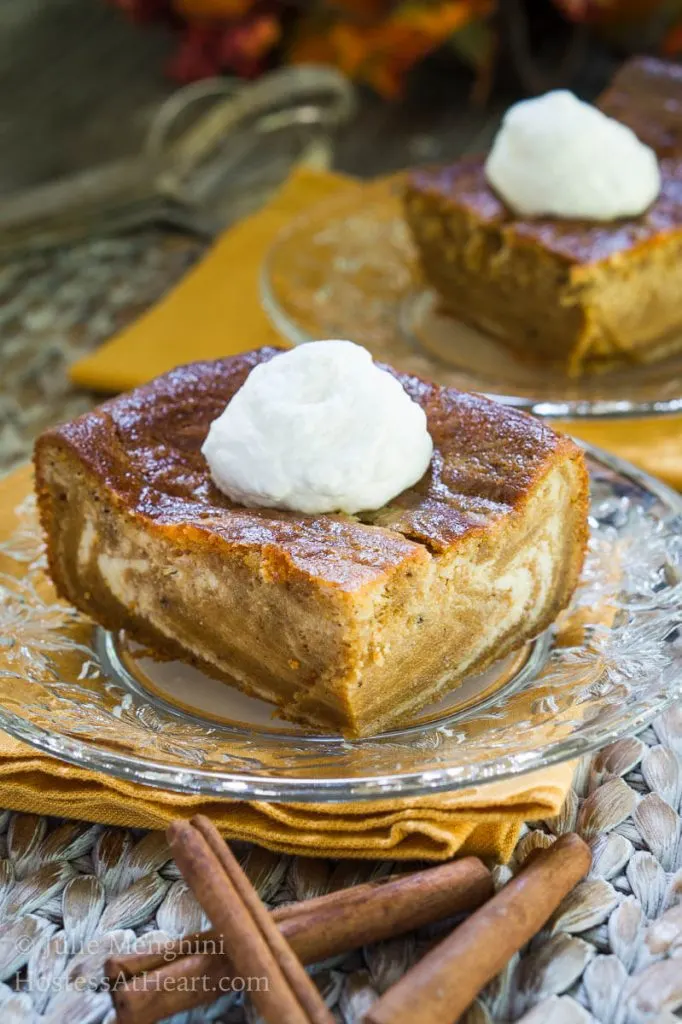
464	185
146	447
646	95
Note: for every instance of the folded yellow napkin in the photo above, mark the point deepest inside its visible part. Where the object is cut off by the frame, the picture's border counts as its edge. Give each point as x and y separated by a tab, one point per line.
484	821
216	311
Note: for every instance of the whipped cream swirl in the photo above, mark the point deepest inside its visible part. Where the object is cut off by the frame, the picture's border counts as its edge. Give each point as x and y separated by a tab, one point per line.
317	429
559	157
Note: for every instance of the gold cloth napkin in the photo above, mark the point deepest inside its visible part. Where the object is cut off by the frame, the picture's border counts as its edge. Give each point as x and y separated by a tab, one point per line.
484	821
216	311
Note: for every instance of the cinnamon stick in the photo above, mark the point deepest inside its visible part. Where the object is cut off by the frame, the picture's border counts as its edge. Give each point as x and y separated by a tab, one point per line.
303	988
448	979
208	942
248	945
316	929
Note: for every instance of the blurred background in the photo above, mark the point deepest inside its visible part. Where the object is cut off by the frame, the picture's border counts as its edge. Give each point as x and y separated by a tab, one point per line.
101	214
80	80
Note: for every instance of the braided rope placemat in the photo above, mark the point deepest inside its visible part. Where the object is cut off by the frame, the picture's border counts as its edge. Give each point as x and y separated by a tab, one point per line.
71	893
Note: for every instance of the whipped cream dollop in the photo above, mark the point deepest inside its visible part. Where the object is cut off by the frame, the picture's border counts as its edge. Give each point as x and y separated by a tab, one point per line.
320	428
557	156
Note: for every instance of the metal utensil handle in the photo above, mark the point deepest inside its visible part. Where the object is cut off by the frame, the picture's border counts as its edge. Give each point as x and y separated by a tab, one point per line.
101	197
88	193
287	88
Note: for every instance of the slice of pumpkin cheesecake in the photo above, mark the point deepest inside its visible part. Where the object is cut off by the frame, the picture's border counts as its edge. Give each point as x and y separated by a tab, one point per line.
348	623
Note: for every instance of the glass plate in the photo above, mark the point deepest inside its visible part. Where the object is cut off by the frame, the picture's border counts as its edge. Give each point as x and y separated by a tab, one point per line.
347	268
611	664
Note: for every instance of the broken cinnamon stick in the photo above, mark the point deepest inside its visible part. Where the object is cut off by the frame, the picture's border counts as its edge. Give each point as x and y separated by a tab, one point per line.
448	979
316	929
255	947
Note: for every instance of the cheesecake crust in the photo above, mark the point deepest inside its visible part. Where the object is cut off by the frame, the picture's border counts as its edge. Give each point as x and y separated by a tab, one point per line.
348	623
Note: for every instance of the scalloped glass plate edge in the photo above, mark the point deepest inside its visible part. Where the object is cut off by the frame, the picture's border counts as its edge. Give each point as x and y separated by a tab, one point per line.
192	779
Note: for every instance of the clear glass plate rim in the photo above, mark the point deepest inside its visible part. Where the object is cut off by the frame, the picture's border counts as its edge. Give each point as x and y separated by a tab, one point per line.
242	785
578	409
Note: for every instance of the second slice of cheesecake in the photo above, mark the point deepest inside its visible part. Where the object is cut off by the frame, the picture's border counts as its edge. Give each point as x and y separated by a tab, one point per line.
347	623
580	296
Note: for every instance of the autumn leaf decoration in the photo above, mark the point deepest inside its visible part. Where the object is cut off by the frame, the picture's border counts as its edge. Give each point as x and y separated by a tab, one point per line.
372	41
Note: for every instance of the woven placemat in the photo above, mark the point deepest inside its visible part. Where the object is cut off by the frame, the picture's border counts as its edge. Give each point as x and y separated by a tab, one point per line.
71	893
